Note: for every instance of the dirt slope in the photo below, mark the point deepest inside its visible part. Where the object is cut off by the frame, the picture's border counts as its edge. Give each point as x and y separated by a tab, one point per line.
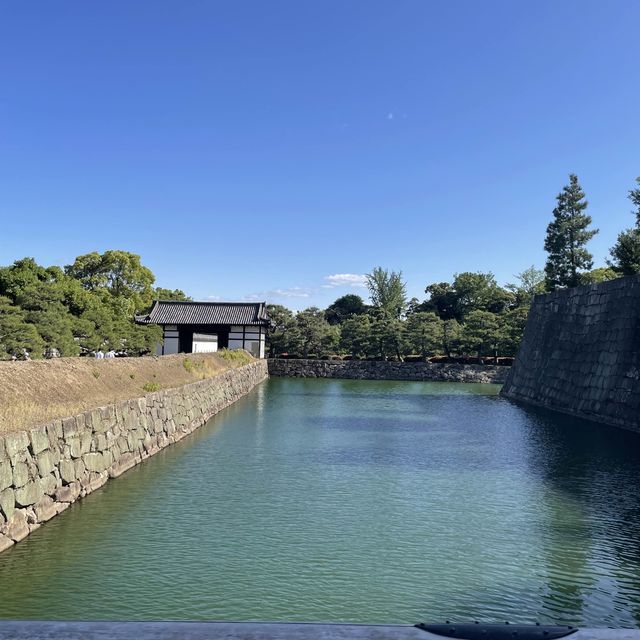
39	391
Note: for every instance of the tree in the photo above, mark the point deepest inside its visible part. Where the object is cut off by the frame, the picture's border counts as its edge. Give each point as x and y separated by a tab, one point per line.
567	236
388	291
119	272
317	336
160	293
283	336
450	336
356	336
511	329
481	333
530	283
478	292
442	300
387	334
16	334
423	331
626	252
601	274
345	307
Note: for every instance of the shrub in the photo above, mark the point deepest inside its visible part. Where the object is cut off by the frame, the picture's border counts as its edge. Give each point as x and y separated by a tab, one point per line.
95	373
150	387
236	357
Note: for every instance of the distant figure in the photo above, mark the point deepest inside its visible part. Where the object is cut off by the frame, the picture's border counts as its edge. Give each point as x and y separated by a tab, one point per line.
110	354
99	354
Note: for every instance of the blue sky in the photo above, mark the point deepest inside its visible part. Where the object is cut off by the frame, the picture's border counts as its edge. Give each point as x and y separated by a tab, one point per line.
253	149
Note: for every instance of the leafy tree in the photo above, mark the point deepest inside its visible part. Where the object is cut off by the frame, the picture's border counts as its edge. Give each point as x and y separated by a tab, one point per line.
387	334
567	236
423	332
317	336
119	272
160	293
388	291
16	334
478	292
76	316
451	335
530	283
442	300
469	292
511	330
601	274
481	332
356	336
345	307
283	334
625	253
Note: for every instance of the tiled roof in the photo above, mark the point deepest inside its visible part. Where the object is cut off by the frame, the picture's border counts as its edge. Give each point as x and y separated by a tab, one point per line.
179	312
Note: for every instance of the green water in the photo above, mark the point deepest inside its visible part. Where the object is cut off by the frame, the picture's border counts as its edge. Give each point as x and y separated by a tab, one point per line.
353	501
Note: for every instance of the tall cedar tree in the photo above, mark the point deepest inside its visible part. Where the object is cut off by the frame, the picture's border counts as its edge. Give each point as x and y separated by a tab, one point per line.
626	251
567	236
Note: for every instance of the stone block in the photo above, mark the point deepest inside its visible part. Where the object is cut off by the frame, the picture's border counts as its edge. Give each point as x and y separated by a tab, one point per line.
44	509
17	528
55	430
20	474
94	462
80	468
45	463
29	494
16	443
6	474
67	471
75	447
50	483
68	493
7	503
85	442
5	542
39	440
69	427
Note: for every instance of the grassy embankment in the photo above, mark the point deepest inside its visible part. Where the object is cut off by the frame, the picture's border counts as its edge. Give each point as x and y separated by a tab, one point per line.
39	391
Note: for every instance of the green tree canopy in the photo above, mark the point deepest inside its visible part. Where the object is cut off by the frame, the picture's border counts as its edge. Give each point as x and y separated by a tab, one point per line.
530	283
356	336
388	291
17	335
481	332
283	335
316	335
567	236
345	307
625	254
423	333
119	272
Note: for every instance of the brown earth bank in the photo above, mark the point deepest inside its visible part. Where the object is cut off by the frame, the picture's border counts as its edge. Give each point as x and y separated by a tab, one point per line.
36	392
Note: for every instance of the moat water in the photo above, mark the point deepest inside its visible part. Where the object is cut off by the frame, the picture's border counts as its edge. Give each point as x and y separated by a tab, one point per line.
353	501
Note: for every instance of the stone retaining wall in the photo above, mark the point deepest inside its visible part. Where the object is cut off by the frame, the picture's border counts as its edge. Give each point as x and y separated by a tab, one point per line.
373	370
45	469
580	353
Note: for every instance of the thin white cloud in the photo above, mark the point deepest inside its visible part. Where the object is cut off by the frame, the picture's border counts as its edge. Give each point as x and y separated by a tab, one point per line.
345	280
214	298
291	292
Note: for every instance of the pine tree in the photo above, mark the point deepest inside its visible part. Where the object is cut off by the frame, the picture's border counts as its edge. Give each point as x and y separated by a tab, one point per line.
626	251
567	236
